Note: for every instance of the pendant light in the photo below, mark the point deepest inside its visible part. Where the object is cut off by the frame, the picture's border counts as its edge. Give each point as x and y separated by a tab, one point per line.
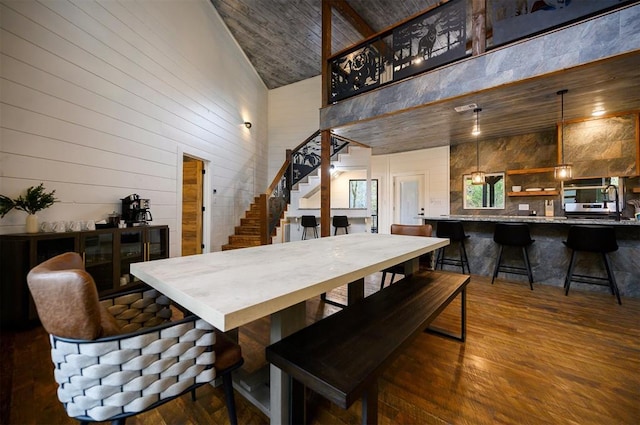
477	177
563	170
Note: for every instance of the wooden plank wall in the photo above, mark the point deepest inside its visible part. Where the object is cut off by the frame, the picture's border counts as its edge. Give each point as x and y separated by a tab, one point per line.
101	98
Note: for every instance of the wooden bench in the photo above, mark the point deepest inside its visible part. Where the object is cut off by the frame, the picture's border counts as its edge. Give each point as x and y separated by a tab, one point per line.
342	356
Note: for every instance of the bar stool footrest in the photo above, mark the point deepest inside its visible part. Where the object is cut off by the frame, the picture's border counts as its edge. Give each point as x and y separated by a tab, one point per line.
513	270
451	262
593	280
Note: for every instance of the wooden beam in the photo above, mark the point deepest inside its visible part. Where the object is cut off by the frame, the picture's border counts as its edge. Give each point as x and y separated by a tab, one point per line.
478	27
637	144
360	25
326	50
325	141
325	183
348	13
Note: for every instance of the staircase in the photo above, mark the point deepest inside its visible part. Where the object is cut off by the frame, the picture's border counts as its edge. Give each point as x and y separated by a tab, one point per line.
263	217
249	232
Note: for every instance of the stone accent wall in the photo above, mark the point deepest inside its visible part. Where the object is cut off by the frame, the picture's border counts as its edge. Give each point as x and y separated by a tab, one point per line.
596	148
604	147
499	155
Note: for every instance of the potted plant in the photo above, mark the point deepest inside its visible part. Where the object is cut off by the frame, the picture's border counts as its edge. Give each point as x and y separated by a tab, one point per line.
36	199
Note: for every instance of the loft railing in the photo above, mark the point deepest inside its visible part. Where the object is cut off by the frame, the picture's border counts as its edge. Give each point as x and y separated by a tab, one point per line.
439	36
299	163
427	41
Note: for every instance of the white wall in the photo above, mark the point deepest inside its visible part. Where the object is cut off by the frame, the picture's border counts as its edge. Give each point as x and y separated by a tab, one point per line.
339	190
433	163
294	114
101	98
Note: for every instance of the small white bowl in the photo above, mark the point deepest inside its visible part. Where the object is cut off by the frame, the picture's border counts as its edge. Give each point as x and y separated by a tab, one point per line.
516	188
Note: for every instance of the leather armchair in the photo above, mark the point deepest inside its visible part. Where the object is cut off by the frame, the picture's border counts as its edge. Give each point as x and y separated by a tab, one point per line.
120	356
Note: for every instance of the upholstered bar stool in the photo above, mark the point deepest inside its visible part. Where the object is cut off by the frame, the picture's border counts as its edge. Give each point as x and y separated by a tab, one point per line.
454	231
340	222
513	235
309	221
597	239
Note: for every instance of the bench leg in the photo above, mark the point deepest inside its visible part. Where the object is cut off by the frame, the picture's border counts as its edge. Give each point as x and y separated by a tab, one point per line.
463	321
283	323
298	405
370	405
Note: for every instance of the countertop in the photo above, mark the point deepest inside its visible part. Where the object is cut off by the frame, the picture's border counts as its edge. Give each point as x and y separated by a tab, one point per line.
531	219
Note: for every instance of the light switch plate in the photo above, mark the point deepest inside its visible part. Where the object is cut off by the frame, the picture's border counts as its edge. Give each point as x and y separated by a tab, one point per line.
523	207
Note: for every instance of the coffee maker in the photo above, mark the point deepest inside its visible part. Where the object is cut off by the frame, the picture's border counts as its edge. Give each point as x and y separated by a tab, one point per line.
135	211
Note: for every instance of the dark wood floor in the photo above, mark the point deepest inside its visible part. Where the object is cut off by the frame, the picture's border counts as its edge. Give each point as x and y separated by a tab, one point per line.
531	357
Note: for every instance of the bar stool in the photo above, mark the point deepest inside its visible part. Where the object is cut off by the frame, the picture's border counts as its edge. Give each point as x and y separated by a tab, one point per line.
309	221
598	239
454	231
516	235
340	221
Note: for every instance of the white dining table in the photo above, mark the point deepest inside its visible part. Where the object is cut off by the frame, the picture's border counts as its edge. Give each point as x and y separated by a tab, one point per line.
229	289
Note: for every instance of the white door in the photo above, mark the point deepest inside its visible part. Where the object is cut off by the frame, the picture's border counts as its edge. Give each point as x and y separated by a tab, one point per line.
408	198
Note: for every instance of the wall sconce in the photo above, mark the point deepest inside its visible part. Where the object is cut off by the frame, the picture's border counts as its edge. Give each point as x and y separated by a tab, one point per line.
477	177
247	124
563	170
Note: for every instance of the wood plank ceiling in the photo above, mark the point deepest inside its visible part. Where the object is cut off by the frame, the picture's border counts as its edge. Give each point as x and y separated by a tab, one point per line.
282	39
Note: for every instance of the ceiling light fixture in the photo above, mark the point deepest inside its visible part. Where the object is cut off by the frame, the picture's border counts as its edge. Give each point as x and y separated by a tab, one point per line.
477	177
562	171
465	108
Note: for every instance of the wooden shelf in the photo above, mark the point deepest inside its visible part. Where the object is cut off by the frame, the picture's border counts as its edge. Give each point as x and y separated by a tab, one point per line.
636	190
529	171
537	193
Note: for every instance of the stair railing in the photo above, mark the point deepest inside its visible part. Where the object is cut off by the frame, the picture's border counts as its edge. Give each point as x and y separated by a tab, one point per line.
299	163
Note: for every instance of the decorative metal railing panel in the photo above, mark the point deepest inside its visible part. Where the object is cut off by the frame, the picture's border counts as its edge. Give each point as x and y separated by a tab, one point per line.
432	39
307	157
304	160
277	203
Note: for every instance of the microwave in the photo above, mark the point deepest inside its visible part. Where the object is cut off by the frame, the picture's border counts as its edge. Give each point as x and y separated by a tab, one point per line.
593	191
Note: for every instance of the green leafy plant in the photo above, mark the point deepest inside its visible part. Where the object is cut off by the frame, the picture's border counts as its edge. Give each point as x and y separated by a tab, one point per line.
35	200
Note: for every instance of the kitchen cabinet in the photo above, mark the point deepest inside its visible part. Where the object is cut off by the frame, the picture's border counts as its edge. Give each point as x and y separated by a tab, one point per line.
107	255
538	182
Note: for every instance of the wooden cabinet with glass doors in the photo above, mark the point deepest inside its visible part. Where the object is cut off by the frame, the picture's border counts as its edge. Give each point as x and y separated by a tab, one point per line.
136	244
107	256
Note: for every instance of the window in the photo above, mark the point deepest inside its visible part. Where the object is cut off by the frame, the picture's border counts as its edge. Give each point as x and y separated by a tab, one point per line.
487	196
358	195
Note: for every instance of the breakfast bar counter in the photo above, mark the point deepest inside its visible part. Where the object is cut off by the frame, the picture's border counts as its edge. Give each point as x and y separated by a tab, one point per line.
532	219
549	256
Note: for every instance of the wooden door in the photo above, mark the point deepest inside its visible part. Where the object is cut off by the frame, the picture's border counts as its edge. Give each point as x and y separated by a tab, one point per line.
192	206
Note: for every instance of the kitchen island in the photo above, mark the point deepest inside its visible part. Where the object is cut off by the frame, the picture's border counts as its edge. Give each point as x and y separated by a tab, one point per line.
549	256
